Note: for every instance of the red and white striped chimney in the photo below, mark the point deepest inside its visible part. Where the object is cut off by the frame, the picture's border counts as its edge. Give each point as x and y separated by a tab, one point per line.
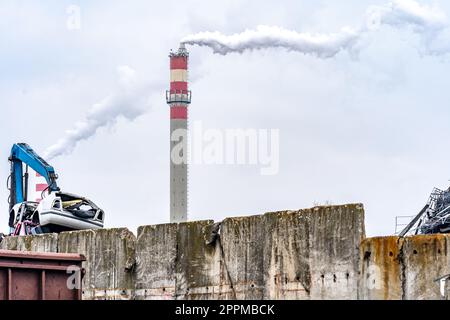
38	185
178	98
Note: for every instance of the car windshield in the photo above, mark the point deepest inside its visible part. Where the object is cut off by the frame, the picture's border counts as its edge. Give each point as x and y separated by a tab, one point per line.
78	206
73	201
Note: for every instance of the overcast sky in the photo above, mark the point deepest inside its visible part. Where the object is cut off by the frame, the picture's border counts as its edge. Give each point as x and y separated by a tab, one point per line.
371	128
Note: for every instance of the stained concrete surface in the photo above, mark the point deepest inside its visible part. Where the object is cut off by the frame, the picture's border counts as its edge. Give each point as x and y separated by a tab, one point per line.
403	268
317	253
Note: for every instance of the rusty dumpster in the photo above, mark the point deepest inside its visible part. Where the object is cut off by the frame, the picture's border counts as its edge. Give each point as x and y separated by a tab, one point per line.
40	276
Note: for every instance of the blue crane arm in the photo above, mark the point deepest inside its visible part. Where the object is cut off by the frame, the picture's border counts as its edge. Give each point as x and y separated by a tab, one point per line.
21	153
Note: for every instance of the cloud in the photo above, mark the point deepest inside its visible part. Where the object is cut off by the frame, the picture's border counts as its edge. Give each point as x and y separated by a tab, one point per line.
401	13
427	20
130	101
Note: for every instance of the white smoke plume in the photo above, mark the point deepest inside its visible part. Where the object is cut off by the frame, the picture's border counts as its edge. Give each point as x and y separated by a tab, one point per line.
428	21
129	102
322	45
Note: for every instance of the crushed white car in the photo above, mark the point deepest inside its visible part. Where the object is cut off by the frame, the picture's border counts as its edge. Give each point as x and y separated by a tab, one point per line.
57	212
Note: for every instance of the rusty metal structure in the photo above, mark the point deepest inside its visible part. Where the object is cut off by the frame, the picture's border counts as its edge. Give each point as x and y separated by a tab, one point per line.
434	217
40	276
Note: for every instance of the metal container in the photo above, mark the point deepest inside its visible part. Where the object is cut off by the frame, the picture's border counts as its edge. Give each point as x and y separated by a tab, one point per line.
40	276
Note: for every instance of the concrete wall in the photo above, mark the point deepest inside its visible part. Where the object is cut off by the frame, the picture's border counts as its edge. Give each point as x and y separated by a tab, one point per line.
306	254
313	254
42	243
318	253
110	256
403	268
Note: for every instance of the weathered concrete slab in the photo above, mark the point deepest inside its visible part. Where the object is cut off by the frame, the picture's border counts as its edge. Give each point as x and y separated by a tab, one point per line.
335	233
110	258
313	253
381	269
287	273
403	268
426	258
242	256
156	258
174	261
198	267
40	243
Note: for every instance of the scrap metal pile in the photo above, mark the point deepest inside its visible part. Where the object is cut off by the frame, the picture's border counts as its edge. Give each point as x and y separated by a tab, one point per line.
434	217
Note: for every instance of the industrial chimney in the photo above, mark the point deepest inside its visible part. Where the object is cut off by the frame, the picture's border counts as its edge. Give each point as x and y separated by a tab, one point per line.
178	98
40	188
